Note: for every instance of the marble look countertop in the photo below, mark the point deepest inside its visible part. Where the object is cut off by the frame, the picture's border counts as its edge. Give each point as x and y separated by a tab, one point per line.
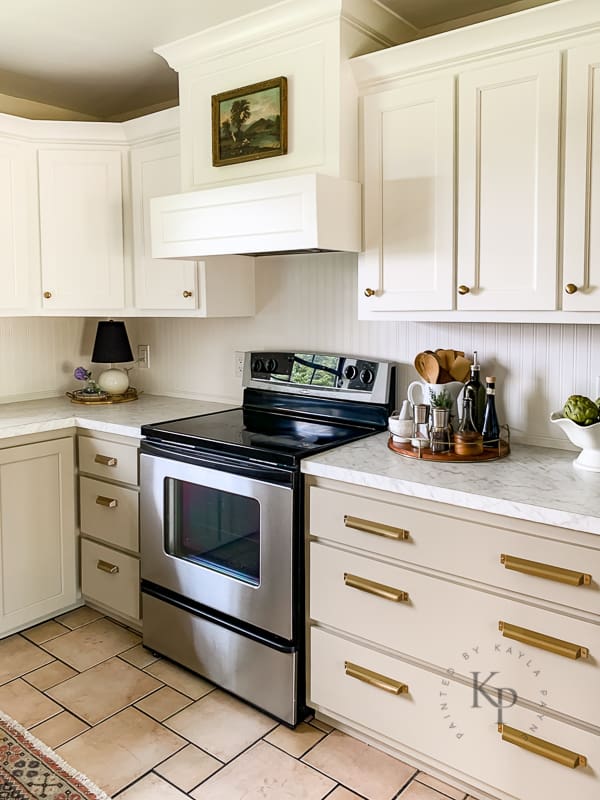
534	483
125	419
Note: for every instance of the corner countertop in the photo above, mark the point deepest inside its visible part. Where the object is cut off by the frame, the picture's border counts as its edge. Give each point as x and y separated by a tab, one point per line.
124	419
533	483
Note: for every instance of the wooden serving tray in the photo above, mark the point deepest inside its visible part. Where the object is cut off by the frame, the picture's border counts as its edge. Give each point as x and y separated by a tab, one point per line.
489	453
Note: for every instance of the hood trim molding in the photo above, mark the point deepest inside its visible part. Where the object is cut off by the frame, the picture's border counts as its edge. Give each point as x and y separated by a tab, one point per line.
296	213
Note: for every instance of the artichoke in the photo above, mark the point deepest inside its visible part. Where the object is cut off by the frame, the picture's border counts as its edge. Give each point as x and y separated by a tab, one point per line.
581	410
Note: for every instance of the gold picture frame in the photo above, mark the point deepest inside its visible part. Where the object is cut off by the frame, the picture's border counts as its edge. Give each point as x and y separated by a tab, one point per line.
250	123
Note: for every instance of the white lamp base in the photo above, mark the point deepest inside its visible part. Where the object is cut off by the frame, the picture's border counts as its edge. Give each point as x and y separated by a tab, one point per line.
113	381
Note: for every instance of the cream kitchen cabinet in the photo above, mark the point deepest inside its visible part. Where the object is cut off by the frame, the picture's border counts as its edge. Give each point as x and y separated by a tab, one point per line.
410	599
81	229
409	198
508	170
581	250
518	93
158	283
38	568
19	239
109	523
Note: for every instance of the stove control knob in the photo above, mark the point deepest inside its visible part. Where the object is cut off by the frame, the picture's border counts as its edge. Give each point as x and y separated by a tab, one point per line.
258	366
350	372
366	376
271	365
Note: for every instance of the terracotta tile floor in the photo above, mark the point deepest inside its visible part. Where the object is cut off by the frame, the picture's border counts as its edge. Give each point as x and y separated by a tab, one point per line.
143	728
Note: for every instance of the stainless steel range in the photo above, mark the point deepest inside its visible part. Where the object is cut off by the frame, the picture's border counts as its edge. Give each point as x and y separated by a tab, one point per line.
221	520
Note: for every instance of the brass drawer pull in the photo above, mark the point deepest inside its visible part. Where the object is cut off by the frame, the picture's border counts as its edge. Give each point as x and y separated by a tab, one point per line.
547	571
535	639
106	566
107	502
379	589
378	528
374	679
541	747
107	461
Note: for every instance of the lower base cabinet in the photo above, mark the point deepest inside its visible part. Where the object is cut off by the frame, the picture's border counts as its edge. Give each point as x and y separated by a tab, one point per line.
425	661
38	567
109	522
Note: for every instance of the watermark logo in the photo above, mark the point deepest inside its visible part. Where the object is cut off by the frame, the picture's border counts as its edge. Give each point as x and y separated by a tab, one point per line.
488	693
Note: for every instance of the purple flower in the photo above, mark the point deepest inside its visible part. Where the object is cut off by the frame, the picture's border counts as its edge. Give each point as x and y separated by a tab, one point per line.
81	374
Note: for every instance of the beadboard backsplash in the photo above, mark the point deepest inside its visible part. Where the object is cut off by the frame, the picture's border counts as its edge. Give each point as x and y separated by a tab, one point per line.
310	302
38	355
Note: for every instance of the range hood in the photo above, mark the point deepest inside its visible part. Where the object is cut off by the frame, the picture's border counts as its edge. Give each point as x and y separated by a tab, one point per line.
301	213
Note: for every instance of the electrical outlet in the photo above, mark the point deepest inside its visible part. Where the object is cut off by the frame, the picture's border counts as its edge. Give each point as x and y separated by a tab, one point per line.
238	363
143	353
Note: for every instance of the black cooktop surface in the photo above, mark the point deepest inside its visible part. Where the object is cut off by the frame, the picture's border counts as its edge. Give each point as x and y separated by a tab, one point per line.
255	434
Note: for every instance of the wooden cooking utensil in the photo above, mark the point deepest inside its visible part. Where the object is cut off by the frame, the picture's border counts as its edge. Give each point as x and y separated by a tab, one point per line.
445	357
431	368
460	369
420	365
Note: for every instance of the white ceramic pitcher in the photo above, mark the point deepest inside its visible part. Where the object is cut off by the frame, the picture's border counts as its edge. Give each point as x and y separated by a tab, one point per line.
420	392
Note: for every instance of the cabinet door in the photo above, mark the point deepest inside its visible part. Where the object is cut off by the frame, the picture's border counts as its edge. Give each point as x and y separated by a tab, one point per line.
581	251
37	532
159	283
19	251
81	227
508	167
409	199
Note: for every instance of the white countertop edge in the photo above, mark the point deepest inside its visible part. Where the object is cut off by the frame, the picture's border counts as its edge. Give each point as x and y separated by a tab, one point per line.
493	505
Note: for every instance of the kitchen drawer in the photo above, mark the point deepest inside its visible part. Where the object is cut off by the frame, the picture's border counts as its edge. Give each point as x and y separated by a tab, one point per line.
118	462
456	627
109	513
435	720
460	547
110	578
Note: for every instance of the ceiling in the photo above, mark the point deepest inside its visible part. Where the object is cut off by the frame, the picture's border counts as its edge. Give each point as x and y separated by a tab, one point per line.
97	59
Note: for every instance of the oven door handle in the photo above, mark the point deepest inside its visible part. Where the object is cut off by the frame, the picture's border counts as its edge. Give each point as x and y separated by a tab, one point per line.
221	462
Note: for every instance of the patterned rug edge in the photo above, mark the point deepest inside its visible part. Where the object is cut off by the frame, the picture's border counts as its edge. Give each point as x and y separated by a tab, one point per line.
51	758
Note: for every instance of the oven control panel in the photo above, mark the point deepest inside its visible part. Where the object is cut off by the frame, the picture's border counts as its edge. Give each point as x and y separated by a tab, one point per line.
318	373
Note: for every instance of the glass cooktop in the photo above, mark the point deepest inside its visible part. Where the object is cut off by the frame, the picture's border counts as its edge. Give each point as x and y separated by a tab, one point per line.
256	435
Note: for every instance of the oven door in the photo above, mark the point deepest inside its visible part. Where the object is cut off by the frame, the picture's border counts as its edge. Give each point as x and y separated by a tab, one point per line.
222	539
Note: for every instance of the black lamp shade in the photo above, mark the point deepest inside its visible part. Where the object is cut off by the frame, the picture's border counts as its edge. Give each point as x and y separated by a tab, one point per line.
112	344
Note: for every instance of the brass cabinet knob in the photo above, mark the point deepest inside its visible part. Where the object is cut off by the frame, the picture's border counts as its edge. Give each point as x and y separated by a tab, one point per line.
462	289
187	293
369	292
570	288
47	295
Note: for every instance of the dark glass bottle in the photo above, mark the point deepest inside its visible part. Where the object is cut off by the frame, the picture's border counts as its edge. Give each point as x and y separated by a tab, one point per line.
475	390
491	428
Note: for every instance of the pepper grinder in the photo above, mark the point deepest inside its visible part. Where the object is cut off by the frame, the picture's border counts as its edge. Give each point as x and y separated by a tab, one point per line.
420	438
440	430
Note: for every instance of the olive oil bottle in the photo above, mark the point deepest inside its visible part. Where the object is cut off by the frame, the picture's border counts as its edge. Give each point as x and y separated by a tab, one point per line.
475	390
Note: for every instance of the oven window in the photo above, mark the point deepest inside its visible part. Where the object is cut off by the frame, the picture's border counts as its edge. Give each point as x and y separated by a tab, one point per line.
214	528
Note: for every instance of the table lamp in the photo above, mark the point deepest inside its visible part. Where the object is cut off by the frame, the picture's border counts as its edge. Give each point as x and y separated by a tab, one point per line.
112	346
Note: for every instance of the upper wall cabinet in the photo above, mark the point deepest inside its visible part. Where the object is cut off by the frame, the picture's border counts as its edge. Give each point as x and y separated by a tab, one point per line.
471	229
81	229
508	128
581	251
409	198
158	283
19	244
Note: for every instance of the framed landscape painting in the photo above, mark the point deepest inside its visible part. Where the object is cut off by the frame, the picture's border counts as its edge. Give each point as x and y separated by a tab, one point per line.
250	122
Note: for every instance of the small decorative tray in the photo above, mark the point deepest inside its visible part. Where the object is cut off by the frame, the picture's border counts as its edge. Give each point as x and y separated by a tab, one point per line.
102	398
500	449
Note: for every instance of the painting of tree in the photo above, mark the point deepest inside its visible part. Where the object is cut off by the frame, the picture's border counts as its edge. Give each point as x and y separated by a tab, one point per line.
250	122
